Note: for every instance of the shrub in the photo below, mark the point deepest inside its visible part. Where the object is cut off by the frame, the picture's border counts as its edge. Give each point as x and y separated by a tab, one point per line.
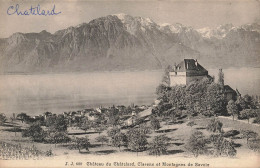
80	143
155	124
248	134
222	147
119	140
207	113
159	145
254	144
2	119
49	153
139	121
35	132
191	123
197	144
57	137
231	133
137	140
215	125
112	132
257	119
232	108
144	129
247	114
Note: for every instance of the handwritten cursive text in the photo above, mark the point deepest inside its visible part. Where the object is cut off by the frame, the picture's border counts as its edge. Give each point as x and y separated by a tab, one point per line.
12	10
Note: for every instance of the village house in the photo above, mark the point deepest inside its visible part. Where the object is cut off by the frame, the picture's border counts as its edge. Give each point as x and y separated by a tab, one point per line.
230	93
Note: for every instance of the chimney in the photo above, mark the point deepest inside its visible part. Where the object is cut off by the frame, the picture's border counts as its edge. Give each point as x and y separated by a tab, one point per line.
196	62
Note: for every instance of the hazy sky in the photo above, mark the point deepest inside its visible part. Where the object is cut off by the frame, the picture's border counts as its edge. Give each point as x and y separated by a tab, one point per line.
197	13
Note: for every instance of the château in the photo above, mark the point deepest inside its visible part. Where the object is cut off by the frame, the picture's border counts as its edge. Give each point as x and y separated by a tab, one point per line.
187	71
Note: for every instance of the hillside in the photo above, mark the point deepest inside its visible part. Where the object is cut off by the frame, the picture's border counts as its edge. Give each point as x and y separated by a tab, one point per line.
124	42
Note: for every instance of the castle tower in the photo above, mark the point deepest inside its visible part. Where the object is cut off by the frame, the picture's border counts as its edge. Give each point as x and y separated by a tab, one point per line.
187	71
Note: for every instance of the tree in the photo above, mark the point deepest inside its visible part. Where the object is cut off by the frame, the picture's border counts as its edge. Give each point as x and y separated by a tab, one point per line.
257	119
196	95
16	129
137	141
197	143
102	138
191	124
58	137
112	132
215	125
60	123
2	119
47	113
177	97
215	99
166	76
241	103
99	129
119	139
249	101
35	132
23	117
81	143
254	144
161	90
139	121
155	123
144	129
158	145
232	108
248	134
247	114
85	126
113	116
50	120
222	146
79	121
57	123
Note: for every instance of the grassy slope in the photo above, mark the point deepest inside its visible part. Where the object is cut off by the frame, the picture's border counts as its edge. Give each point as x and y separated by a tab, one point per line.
179	133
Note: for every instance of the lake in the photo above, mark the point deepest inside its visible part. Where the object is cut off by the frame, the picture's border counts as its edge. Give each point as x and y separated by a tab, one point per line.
37	93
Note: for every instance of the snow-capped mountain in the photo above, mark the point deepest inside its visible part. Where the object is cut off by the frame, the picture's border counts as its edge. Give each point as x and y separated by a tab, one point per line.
220	32
175	28
121	41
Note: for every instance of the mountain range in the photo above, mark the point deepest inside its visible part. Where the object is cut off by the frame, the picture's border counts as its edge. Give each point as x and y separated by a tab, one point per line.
124	42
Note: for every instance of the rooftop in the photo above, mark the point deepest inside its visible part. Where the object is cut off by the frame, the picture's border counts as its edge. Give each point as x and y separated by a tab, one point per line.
191	66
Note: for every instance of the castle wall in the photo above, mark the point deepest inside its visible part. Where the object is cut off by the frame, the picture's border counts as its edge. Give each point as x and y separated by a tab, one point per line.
177	78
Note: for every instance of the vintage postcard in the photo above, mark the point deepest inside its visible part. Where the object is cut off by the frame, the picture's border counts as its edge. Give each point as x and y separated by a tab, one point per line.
129	83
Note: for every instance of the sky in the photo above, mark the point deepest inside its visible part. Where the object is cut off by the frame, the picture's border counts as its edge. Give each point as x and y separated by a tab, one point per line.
195	13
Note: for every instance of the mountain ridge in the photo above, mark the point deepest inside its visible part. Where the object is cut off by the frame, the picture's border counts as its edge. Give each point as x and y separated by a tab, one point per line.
124	42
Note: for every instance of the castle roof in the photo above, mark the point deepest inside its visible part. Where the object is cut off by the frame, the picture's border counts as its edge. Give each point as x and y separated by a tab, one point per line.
191	66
